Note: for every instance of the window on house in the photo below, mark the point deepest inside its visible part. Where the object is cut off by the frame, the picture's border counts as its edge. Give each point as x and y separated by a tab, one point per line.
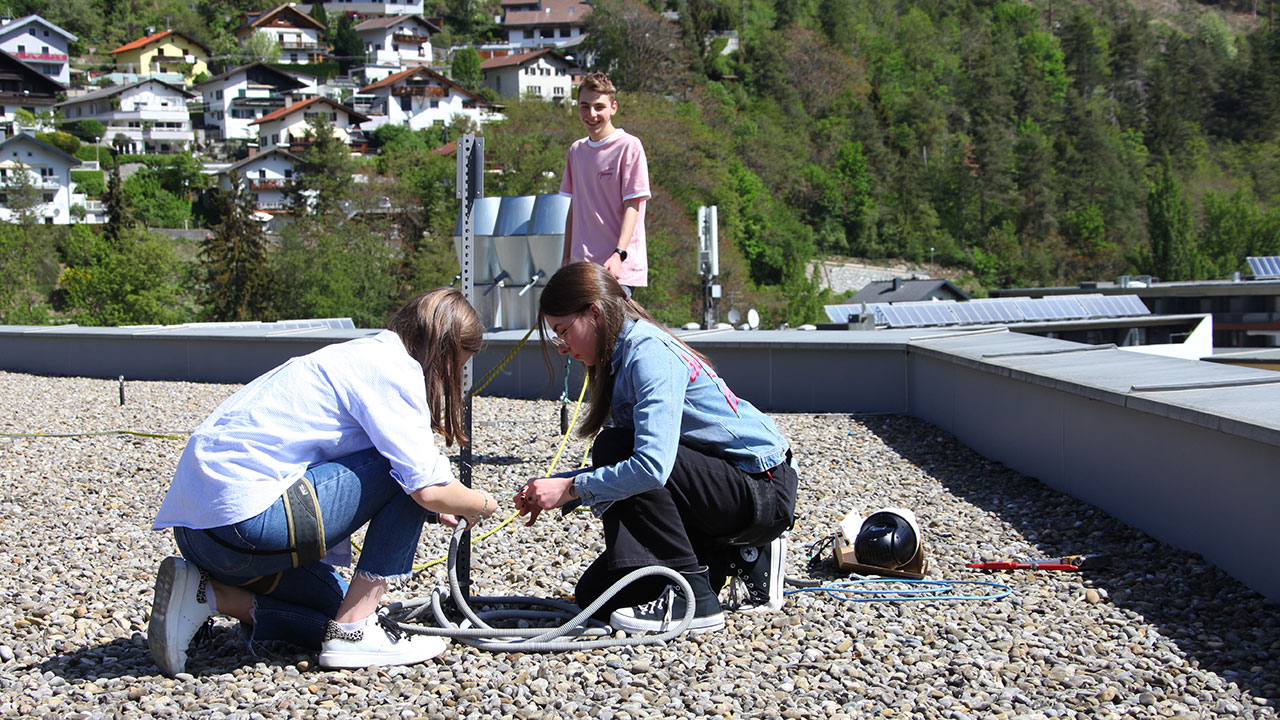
435	104
406	103
44	49
46	172
262	174
288	174
48	197
22	48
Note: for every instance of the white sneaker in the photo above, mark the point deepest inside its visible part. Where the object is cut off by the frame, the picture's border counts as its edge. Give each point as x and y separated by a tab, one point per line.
177	612
378	641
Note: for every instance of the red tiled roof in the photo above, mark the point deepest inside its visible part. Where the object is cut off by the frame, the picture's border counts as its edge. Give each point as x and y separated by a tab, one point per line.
405	74
516	59
391	79
143	42
551	12
290	109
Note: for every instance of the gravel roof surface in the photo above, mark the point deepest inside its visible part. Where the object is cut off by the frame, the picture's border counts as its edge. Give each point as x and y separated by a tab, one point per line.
1160	633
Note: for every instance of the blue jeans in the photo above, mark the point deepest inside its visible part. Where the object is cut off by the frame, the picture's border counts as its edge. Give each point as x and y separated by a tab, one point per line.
352	491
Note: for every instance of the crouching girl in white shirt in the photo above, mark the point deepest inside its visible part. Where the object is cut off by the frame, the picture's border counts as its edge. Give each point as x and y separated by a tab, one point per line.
276	480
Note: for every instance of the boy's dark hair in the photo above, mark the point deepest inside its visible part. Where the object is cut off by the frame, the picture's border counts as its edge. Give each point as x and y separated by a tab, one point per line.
598	82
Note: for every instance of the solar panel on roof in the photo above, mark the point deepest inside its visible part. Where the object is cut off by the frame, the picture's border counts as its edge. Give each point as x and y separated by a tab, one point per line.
1131	304
1267	267
1095	305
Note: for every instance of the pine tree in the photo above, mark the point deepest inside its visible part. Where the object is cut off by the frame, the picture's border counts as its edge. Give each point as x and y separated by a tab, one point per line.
234	260
119	215
324	177
1173	252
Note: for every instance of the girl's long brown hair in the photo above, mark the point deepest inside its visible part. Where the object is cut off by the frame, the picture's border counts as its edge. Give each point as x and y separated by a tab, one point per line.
437	327
574	289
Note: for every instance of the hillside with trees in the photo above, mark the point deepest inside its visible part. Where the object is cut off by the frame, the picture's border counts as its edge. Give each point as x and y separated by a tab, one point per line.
1011	143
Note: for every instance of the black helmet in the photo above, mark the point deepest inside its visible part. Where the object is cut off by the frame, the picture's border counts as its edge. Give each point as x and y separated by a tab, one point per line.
888	539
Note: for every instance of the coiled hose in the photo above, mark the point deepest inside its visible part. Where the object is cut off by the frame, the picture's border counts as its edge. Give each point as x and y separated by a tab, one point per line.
476	628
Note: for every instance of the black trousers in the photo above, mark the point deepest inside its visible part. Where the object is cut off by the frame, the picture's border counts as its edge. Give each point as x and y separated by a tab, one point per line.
685	525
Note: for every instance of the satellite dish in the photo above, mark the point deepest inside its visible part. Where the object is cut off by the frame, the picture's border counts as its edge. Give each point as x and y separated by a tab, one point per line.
734	316
753	319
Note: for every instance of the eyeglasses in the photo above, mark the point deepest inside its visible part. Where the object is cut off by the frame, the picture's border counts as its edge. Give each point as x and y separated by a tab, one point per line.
558	339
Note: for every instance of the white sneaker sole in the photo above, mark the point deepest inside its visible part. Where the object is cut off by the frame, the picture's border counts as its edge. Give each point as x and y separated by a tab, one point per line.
633	626
175	580
424	648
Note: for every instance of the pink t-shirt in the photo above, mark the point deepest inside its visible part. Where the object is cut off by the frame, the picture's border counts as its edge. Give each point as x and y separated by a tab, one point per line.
600	176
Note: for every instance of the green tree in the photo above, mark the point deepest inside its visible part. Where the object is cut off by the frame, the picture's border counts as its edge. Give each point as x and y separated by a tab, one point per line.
465	69
348	48
119	214
22	252
328	267
323	181
319	14
64	141
261	47
152	202
128	280
1173	251
233	259
24	198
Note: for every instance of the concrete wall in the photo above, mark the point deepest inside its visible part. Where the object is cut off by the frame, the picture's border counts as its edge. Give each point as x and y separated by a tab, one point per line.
1183	450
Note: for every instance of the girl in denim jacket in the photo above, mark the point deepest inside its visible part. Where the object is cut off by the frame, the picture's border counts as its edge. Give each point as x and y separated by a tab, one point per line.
688	475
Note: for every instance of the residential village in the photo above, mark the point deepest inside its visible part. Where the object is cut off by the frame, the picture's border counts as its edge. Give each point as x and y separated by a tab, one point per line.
165	94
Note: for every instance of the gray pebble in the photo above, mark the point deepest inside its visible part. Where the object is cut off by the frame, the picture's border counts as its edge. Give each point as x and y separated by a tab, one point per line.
1160	633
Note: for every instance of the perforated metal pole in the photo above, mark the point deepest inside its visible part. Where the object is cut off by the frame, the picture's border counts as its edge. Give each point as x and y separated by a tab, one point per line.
470	186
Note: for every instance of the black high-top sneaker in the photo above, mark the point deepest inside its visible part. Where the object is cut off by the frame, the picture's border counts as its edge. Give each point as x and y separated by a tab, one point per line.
668	609
761	572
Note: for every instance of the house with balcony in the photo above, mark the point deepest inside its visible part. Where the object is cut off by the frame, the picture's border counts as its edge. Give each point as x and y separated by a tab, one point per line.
35	178
537	73
148	116
297	33
40	44
543	23
419	97
234	99
369	8
267	176
397	41
287	127
22	87
169	56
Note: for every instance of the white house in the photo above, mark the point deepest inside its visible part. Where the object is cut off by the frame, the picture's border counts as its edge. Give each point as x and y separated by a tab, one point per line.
147	116
40	44
420	97
47	170
288	126
22	87
234	99
537	73
297	33
267	176
367	8
543	23
400	40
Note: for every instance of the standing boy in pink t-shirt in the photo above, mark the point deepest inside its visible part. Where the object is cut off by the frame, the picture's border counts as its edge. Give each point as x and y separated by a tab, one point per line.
607	177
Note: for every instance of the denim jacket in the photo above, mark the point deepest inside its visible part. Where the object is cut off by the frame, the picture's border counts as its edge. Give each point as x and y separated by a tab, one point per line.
668	397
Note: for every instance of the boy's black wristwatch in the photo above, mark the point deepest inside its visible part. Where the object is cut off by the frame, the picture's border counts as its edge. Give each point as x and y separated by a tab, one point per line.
621	253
